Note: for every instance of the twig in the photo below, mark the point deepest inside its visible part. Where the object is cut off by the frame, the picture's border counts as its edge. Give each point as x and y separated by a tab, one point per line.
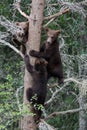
59	90
61	2
12	47
57	14
51	20
11	27
73	80
17	97
17	6
73	6
66	112
54	94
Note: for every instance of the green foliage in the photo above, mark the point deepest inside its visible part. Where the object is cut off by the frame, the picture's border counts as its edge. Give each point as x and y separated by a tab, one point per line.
73	30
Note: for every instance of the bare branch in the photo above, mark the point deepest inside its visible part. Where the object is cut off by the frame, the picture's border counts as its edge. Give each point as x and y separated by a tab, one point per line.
17	97
60	89
83	2
3	35
56	4
17	6
45	126
57	14
66	112
53	17
11	27
51	20
73	6
54	94
12	47
73	80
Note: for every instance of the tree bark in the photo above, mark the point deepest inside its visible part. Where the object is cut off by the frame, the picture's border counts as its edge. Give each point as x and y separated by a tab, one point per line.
35	24
82	102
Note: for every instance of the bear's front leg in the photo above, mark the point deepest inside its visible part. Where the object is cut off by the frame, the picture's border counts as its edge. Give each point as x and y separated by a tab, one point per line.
36	54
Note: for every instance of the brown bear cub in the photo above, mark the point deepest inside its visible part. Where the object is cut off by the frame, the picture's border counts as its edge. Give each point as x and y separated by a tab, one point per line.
37	93
50	52
19	38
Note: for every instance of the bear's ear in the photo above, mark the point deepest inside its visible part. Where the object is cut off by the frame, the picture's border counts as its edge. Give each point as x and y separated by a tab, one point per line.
57	32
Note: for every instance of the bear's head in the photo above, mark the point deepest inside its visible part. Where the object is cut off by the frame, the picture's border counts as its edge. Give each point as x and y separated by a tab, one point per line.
52	36
22	37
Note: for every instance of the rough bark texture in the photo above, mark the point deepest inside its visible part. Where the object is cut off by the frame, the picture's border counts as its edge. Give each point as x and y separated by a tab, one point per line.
82	102
35	24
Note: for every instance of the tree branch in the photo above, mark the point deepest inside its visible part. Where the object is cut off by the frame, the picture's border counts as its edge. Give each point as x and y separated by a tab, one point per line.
58	90
66	112
12	47
17	6
11	27
57	14
17	97
50	21
62	2
73	80
54	94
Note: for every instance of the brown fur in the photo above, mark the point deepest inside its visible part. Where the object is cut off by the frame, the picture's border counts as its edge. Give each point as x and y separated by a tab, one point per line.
39	83
50	51
19	38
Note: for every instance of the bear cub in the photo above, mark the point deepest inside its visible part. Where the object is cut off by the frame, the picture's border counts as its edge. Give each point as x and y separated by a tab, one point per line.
19	38
50	52
37	93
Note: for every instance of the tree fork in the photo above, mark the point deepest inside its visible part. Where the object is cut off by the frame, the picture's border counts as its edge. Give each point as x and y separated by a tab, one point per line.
35	25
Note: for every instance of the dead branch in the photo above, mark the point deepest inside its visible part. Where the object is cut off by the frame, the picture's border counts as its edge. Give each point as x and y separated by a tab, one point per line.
12	47
11	27
57	14
61	2
17	6
51	20
61	88
66	80
73	6
83	2
73	80
3	35
54	94
66	112
17	97
45	126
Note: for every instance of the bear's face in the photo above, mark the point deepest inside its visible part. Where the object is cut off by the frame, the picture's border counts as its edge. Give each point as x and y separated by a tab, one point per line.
22	37
51	36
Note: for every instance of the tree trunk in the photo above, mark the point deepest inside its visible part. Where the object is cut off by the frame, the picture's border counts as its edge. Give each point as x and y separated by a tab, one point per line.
35	24
82	102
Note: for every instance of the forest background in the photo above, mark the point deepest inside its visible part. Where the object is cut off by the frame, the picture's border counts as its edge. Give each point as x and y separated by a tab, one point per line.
69	100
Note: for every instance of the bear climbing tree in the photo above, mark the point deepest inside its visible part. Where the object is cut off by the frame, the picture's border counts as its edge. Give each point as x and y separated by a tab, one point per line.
30	40
20	39
50	52
36	95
